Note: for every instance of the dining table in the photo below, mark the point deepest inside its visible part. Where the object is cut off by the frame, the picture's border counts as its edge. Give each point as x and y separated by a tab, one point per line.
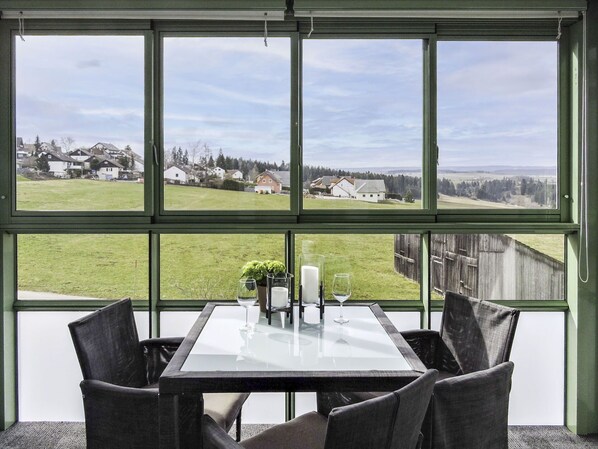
306	355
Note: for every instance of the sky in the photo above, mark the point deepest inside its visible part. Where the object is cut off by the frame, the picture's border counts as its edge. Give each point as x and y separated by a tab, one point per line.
362	99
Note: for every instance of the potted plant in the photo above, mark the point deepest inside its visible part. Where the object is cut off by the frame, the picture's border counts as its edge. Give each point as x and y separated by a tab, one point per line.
259	270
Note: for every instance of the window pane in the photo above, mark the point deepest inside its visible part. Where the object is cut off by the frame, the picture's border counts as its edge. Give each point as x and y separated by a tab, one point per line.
362	131
382	266
497	125
499	266
226	123
208	266
82	266
79	123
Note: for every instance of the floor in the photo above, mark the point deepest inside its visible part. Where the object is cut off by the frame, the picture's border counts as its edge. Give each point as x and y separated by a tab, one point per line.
68	435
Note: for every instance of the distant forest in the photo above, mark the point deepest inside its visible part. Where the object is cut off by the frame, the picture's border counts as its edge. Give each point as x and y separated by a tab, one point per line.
501	190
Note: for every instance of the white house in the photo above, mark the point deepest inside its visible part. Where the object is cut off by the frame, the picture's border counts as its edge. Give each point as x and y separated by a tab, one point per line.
234	174
176	175
217	171
343	188
81	155
59	163
371	190
108	169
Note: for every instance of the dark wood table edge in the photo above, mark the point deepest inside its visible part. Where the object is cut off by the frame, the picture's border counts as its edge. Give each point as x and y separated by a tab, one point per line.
174	381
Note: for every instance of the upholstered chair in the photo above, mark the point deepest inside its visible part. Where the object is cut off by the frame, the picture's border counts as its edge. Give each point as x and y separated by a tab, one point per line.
391	421
120	382
475	336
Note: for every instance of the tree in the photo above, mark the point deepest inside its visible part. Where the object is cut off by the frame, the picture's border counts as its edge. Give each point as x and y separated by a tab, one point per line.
94	163
67	143
186	158
42	164
409	197
37	144
220	161
125	162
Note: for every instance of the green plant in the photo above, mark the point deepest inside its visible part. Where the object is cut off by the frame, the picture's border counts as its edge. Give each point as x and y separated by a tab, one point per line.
259	270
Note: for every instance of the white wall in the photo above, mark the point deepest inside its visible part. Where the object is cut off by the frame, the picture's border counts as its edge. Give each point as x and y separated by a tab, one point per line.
538	391
48	371
49	374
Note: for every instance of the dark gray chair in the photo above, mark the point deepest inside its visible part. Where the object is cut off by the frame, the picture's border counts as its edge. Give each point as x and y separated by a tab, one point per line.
392	421
474	336
472	410
120	382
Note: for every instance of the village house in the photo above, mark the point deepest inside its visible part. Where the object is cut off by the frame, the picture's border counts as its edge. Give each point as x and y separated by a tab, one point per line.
234	174
323	183
111	151
108	169
59	163
371	190
343	187
273	181
217	171
178	175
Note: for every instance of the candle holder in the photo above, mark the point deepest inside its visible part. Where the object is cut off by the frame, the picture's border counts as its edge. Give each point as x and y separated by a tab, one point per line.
280	294
311	288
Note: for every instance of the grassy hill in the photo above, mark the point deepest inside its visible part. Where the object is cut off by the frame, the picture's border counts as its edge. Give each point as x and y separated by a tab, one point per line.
199	266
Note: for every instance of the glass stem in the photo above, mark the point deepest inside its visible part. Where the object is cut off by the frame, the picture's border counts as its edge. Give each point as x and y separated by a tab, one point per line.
342	310
246	316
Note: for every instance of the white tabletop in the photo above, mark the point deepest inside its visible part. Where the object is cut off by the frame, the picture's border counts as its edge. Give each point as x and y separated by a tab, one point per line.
362	344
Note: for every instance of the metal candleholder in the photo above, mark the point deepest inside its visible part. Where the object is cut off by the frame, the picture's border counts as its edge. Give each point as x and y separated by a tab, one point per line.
277	281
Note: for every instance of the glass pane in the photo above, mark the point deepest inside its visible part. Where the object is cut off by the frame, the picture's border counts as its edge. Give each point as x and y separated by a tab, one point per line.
497	125
208	266
382	266
82	266
362	131
79	123
226	123
499	266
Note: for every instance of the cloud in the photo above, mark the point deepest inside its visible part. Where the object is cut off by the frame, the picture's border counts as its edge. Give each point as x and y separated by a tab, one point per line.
88	64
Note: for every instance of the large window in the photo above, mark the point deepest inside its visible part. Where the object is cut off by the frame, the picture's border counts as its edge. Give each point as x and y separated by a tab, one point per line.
82	266
499	266
497	125
226	124
79	123
363	123
207	266
381	266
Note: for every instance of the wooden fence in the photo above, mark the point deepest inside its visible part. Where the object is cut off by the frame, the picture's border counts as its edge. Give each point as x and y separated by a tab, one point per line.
486	266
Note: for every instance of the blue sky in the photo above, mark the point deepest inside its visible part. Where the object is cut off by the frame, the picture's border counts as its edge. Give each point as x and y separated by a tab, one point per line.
362	98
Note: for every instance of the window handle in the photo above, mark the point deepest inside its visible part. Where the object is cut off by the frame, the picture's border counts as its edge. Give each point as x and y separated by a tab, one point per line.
155	148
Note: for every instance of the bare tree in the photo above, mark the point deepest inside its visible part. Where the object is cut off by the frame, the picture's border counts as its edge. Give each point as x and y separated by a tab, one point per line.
67	143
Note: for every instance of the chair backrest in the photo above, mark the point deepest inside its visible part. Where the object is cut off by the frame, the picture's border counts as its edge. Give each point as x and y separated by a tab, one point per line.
392	421
478	333
107	346
472	411
413	404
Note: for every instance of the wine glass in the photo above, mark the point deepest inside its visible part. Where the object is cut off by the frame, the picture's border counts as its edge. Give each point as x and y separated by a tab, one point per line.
341	290
246	297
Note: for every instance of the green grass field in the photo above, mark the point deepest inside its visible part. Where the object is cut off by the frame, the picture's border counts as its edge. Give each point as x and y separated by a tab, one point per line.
195	266
203	266
90	195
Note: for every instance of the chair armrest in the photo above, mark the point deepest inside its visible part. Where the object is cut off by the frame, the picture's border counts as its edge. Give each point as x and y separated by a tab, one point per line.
214	437
157	352
113	413
424	343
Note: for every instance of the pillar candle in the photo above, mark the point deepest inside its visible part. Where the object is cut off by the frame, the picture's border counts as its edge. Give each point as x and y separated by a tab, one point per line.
280	296
310	286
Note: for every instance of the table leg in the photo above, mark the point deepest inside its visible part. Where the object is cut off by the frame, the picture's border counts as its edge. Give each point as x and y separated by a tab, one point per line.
168	421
